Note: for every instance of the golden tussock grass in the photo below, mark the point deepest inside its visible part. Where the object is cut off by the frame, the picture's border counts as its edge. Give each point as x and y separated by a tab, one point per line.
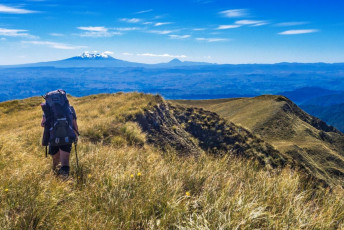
123	185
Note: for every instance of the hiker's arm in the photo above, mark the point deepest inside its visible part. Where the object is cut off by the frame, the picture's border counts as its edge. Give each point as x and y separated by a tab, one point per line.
43	121
76	129
75	124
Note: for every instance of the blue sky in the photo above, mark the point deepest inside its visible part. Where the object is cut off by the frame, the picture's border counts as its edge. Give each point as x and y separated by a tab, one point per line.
245	31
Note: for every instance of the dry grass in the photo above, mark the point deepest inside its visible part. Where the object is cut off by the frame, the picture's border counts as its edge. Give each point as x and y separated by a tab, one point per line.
127	186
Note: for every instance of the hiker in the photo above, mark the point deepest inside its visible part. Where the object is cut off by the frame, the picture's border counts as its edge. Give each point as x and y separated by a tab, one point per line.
60	129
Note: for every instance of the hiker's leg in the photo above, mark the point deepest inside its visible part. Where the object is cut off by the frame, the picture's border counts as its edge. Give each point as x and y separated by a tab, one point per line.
64	154
64	157
56	160
55	154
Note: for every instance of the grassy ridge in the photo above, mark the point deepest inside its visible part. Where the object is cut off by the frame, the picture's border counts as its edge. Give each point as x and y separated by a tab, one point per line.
123	184
319	148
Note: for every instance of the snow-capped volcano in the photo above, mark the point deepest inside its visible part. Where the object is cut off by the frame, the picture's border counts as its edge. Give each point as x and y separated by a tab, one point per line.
90	55
94	59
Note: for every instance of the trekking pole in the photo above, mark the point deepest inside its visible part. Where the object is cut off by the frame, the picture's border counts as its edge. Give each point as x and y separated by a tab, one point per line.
76	155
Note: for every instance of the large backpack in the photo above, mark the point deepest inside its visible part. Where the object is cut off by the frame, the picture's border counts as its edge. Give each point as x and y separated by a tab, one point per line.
59	116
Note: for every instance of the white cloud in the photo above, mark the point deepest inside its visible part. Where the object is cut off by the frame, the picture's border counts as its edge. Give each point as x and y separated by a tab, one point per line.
162	23
100	34
251	22
147	23
130	20
144	11
93	28
198	29
234	13
260	24
212	39
225	27
160	31
15	33
292	32
108	53
128	54
173	36
3	39
159	16
101	31
55	45
161	55
291	23
97	31
56	34
12	10
127	28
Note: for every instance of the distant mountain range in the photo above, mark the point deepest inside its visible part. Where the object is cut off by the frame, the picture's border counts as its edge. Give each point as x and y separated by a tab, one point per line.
99	60
103	60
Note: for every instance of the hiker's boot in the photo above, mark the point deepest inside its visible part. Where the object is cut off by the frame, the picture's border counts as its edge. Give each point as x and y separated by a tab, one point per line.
56	170
64	171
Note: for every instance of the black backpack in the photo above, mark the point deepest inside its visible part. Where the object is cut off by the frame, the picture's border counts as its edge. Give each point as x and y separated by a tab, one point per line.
58	128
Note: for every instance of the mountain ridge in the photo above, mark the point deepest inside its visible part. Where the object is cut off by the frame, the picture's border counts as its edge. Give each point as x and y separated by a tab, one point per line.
277	120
